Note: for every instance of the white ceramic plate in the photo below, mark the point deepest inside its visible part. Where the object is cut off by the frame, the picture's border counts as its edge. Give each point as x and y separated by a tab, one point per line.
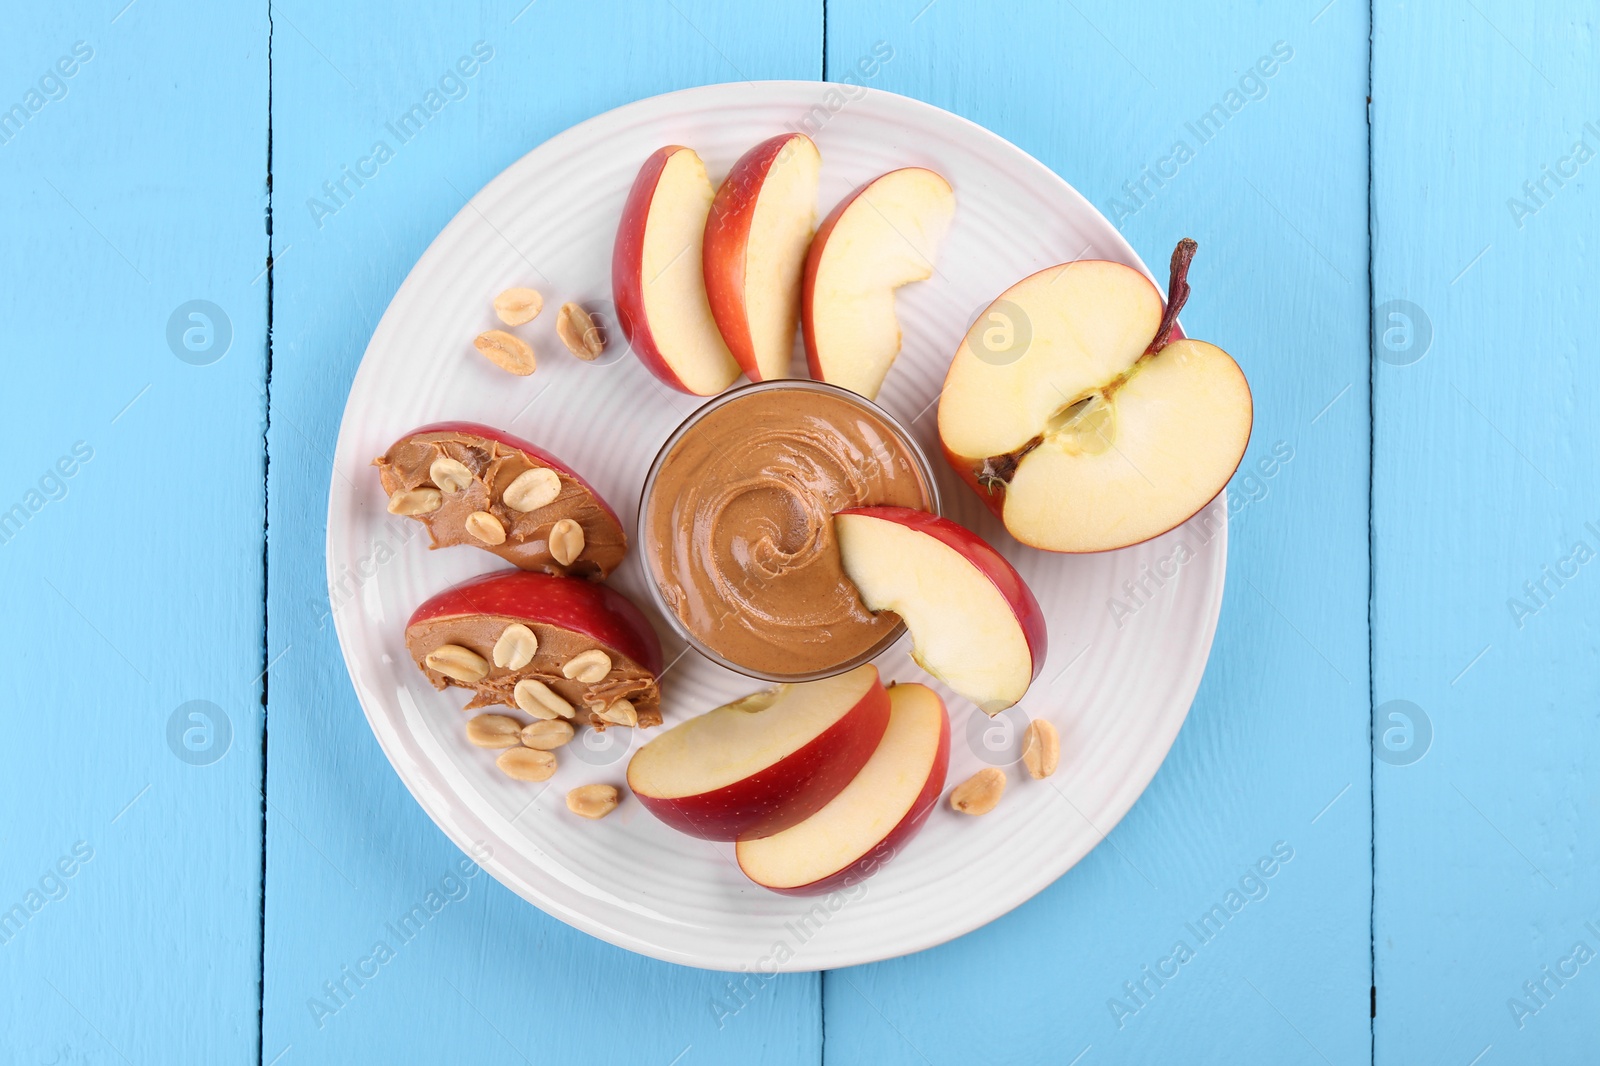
1118	688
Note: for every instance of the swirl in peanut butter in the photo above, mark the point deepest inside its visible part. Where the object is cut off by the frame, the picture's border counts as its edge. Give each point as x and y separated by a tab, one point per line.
740	526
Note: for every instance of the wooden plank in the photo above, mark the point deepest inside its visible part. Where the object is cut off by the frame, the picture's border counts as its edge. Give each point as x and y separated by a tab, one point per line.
1485	519
132	177
1276	747
490	979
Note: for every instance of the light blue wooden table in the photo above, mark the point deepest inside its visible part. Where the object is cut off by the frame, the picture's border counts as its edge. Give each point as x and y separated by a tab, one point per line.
1399	230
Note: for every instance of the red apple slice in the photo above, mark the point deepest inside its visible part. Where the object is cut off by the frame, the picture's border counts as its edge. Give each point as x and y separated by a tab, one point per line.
763	763
973	622
884	235
656	277
566	617
875	816
755	247
1102	430
445	473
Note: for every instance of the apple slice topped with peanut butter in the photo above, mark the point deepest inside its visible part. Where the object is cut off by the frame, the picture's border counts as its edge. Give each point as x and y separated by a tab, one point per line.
553	648
472	484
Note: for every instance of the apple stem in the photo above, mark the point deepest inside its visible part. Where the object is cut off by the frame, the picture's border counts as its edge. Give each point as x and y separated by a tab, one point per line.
1177	293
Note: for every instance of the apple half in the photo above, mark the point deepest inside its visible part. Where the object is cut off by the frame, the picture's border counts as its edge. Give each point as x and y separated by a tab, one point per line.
974	623
656	278
884	235
763	763
1109	427
876	814
757	236
566	617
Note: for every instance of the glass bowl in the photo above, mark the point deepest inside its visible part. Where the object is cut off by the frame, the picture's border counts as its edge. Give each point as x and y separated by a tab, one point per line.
919	460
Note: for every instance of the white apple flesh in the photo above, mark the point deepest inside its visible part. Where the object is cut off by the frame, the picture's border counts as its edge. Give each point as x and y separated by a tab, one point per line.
1102	431
765	762
657	280
973	622
757	236
876	814
883	236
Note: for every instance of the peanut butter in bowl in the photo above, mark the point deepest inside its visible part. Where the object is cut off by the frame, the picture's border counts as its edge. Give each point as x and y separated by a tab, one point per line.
737	530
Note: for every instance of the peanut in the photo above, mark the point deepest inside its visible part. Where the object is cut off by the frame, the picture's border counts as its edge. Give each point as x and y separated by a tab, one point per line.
546	734
415	501
457	663
540	700
566	541
486	527
516	647
532	489
1041	749
451	475
593	801
620	712
511	354
516	307
587	666
527	764
980	793
577	330
494	731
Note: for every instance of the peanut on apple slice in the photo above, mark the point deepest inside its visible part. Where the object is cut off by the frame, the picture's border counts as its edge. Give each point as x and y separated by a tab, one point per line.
587	666
486	527
540	700
516	647
457	663
451	475
415	501
566	541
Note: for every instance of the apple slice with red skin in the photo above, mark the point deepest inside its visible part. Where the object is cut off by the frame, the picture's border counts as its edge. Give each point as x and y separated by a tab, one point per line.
1109	427
884	235
763	763
657	278
567	616
974	623
876	814
757	236
495	459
